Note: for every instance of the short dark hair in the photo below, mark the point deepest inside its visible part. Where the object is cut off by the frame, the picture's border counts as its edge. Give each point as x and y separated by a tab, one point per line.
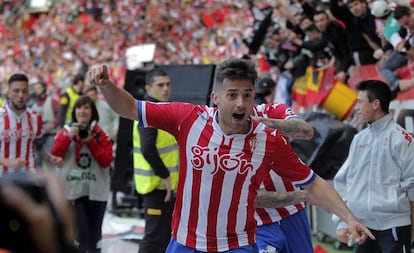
77	78
18	77
319	12
377	89
83	100
153	73
234	69
401	11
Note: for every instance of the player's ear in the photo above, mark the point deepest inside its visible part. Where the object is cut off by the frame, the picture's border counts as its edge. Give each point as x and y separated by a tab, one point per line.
214	97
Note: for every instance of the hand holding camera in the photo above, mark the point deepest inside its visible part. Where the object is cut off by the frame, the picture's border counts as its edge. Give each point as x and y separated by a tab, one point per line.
81	130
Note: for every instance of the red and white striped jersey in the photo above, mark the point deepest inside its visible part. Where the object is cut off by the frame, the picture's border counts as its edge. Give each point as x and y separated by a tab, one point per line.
17	134
274	182
219	174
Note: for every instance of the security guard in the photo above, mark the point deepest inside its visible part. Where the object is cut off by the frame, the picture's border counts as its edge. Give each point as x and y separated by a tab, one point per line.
155	170
68	99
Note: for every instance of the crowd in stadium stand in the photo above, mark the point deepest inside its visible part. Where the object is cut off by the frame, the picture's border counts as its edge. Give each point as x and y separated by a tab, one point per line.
55	44
72	35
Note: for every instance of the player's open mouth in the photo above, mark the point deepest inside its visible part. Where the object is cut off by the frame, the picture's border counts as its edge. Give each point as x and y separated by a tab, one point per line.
238	115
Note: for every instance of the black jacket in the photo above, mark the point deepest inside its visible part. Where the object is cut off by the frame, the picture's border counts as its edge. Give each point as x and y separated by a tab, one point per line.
149	150
333	38
355	27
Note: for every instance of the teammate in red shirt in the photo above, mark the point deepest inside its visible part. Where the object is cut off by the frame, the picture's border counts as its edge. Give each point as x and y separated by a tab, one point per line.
284	229
19	127
224	157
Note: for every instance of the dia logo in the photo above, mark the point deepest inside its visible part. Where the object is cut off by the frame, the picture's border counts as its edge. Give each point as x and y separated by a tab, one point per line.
269	249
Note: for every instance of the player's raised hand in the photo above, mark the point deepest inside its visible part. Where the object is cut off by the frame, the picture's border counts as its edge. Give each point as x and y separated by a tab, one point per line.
98	76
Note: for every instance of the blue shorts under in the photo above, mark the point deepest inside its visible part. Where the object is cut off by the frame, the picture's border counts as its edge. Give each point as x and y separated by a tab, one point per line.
290	235
175	247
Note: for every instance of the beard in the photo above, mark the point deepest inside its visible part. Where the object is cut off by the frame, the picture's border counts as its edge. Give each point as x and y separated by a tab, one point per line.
18	107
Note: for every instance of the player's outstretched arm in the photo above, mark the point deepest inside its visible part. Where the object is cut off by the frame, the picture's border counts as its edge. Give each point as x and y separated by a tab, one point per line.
293	128
272	199
118	99
324	195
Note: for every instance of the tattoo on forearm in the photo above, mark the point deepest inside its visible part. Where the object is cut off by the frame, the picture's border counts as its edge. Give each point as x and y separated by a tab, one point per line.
279	199
289	128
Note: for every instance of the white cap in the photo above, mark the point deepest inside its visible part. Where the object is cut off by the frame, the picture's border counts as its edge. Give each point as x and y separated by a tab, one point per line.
380	8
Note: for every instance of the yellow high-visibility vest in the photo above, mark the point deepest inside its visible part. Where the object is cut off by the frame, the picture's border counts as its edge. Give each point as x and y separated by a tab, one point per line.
73	96
144	177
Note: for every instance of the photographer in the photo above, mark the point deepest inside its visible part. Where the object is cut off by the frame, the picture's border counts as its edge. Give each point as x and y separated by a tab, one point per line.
85	153
40	217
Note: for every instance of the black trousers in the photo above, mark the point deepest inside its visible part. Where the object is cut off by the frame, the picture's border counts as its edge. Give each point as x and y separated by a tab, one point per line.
89	216
395	240
157	222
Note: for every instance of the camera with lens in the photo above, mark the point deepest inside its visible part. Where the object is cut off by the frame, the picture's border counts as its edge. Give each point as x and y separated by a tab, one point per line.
83	131
14	232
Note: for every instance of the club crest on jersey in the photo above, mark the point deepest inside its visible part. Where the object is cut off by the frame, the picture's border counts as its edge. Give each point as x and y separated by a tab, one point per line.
253	143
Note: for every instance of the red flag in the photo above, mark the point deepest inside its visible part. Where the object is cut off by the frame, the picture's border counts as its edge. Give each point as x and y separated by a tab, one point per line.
320	83
314	78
